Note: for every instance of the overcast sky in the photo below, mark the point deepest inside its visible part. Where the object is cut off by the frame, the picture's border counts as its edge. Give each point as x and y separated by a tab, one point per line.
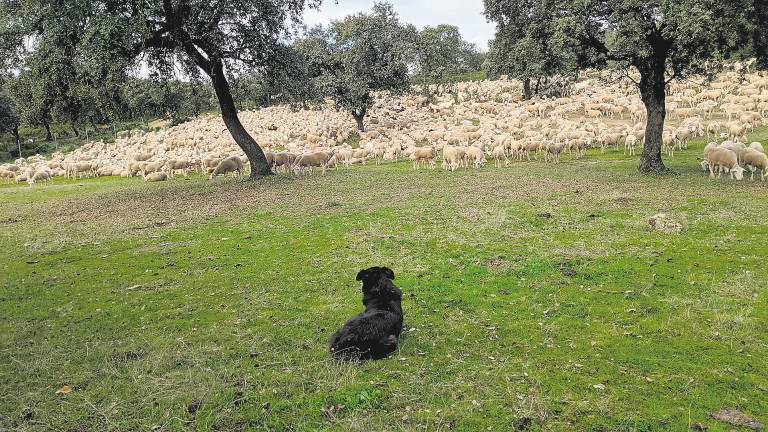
466	14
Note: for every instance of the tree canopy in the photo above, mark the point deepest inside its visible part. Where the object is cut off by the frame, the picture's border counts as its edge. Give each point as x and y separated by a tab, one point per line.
663	40
110	37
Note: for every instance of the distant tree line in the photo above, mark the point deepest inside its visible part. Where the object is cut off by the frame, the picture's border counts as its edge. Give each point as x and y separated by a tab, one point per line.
67	81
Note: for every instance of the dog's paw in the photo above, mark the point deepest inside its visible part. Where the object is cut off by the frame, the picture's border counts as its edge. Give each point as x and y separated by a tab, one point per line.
391	340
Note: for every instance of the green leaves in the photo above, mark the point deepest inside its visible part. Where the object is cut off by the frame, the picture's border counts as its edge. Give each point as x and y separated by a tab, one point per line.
441	52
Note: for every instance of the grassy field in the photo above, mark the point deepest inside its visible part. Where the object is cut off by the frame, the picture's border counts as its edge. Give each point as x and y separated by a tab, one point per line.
536	298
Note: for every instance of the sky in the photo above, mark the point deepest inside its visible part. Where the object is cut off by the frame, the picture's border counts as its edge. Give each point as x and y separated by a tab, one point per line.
465	14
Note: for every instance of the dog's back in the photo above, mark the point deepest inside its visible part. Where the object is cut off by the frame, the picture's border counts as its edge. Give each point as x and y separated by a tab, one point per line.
372	334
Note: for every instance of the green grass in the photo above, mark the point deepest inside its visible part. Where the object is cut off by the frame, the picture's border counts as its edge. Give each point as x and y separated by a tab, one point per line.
535	297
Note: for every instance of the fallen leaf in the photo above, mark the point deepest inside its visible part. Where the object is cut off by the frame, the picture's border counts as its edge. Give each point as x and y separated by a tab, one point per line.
64	390
599	386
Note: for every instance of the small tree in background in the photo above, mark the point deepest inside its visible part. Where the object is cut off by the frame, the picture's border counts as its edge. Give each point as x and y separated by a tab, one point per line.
664	40
357	56
441	52
527	48
32	100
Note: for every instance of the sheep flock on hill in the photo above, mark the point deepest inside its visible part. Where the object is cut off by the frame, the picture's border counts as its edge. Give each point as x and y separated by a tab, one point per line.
479	121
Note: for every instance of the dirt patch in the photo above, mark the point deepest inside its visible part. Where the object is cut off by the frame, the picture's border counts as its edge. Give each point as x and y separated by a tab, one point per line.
566	268
663	223
499	265
736	418
126	356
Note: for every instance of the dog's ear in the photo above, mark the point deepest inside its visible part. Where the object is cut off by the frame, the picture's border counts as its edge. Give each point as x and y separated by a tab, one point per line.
389	273
362	274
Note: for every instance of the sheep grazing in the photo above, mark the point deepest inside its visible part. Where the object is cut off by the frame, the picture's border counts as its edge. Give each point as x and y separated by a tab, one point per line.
755	161
476	156
210	164
151	167
757	146
488	116
283	160
156	177
174	165
40	176
552	152
79	170
312	160
232	164
499	154
451	158
722	158
425	156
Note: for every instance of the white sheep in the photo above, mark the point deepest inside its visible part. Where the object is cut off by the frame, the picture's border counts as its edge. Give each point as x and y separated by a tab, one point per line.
755	161
44	176
451	158
232	165
312	160
499	154
552	152
424	155
156	177
722	158
757	146
475	156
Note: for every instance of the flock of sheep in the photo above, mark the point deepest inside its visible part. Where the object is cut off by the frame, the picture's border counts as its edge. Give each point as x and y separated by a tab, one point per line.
463	128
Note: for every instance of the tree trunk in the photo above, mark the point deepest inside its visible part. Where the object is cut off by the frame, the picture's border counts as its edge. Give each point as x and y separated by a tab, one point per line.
359	115
74	129
259	165
538	83
18	138
48	134
652	92
527	89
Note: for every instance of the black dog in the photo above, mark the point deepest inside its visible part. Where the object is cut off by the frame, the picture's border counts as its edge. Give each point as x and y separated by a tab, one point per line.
373	333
